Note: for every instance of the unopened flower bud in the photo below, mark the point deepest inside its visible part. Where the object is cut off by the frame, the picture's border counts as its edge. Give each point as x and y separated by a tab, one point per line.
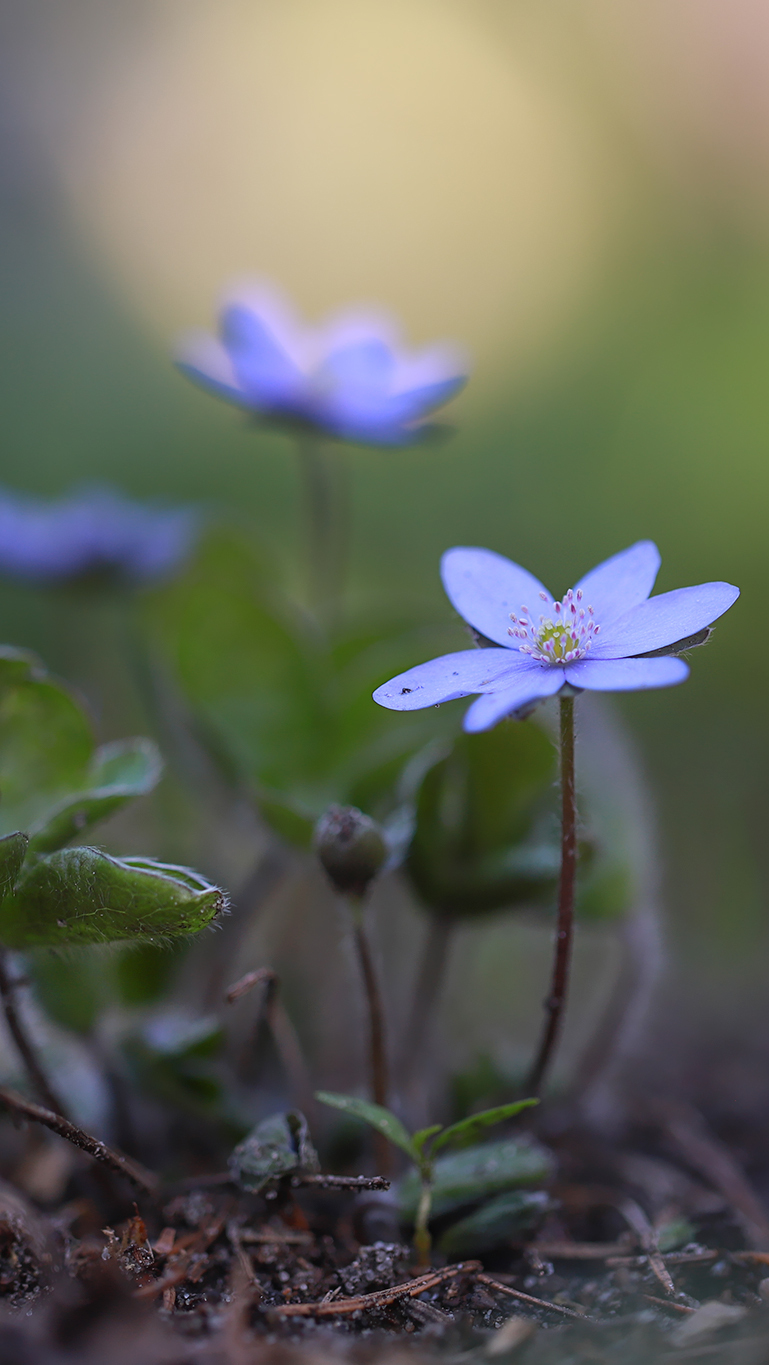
351	847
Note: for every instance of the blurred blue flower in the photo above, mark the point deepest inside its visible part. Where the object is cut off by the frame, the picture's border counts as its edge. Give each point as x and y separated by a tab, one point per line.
91	532
607	635
348	378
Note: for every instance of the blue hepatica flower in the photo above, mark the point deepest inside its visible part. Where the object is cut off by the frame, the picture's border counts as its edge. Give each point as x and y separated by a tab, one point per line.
606	635
348	378
93	531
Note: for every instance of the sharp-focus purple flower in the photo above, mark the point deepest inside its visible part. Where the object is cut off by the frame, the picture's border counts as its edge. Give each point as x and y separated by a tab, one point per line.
92	531
348	378
606	635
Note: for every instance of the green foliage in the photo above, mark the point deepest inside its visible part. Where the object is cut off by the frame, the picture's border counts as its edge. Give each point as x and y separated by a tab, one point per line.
55	783
172	1059
83	896
279	1145
72	988
477	1173
478	843
141	972
508	1217
13	851
389	1125
464	1133
423	1145
286	710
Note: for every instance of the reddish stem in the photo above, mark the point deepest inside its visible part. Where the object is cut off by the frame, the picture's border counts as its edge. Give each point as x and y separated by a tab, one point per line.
556	1000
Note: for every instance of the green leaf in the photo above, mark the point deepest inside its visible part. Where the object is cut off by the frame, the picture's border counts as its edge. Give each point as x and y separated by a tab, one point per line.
142	972
386	1123
13	851
477	843
419	1139
53	783
282	708
117	773
467	1130
81	895
507	1218
72	986
171	1058
277	1146
477	1173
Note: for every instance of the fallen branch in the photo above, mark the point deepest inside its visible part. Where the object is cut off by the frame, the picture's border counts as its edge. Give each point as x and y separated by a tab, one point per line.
342	1182
529	1298
380	1298
122	1165
578	1251
636	1219
665	1303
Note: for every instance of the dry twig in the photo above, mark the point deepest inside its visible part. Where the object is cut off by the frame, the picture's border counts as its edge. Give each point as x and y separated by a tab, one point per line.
636	1219
342	1182
529	1298
380	1298
144	1180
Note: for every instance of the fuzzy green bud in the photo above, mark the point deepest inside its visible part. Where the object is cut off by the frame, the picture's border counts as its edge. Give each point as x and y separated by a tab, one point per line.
351	847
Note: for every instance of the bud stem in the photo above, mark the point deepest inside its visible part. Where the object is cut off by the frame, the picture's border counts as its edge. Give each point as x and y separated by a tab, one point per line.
380	1080
554	1005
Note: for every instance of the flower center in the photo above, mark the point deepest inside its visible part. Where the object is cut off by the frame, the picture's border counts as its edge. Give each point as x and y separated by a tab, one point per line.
561	639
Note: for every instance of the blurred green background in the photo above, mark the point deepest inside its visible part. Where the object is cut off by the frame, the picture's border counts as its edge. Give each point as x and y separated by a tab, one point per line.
579	195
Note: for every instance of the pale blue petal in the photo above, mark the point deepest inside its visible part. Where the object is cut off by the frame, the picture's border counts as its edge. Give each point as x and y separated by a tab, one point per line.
450	676
414	403
264	368
485	588
626	675
535	682
663	620
205	361
362	369
442	363
621	582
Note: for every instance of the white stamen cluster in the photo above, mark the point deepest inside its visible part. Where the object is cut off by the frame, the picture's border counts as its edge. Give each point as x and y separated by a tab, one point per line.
563	640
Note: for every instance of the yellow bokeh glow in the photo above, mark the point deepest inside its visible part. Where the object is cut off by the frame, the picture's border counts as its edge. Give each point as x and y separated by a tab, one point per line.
398	152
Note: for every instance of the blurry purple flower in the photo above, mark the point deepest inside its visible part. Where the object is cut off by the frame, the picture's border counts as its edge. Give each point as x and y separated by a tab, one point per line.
348	378
92	531
607	635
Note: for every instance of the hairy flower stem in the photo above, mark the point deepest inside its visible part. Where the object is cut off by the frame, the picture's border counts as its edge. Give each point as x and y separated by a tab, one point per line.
380	1078
422	1238
554	1005
17	1029
325	520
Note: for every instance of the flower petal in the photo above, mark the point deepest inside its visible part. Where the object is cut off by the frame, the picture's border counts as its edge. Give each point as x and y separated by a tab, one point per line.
538	680
485	588
264	368
663	620
205	361
450	676
626	675
621	582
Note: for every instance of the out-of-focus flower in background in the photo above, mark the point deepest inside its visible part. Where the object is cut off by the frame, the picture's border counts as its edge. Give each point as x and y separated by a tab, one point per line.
93	531
349	377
